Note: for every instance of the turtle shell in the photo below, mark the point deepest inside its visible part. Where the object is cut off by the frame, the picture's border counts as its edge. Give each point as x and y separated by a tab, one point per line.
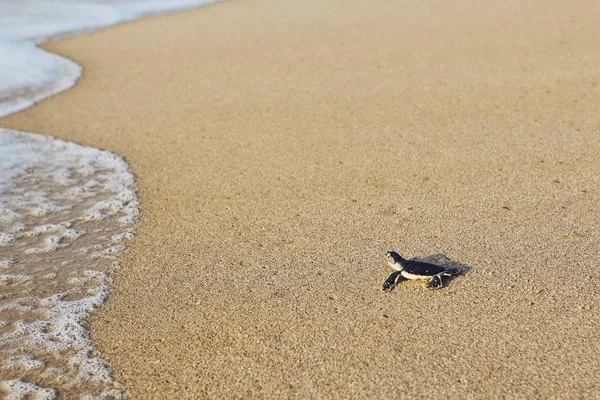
421	268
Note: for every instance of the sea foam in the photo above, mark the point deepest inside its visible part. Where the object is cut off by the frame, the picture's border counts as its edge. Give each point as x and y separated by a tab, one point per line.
57	257
29	74
66	211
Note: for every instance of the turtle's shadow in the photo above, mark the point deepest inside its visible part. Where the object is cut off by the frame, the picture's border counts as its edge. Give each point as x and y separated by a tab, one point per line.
446	262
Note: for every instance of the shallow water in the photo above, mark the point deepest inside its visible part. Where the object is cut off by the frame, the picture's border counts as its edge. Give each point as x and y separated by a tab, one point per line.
66	211
29	74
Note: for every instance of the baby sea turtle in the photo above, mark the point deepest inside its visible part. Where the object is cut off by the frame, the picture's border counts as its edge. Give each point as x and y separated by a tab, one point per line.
412	269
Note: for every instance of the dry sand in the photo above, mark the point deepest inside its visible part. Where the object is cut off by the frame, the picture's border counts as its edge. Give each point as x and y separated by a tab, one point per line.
282	147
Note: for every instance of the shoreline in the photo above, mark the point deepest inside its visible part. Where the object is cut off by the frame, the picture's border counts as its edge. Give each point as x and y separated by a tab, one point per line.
66	211
292	145
32	74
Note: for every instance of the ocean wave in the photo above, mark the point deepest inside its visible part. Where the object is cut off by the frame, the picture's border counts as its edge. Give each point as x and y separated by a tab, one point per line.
66	211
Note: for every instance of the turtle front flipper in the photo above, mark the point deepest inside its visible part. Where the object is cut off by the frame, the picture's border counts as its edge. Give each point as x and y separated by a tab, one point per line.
435	282
391	281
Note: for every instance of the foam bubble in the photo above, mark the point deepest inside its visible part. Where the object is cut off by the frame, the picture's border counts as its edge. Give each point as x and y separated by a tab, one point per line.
7	238
52	276
26	363
18	390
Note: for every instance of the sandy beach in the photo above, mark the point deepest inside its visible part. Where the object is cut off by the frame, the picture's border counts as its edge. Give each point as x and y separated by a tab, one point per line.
281	148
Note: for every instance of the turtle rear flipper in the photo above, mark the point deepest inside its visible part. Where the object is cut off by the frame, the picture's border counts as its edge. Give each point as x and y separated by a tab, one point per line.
453	271
391	281
435	282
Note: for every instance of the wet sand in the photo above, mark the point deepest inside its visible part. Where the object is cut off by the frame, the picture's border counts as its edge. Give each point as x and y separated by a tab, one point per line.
281	149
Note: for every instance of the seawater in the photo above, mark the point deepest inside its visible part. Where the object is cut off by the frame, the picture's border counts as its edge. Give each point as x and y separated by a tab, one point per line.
66	211
29	74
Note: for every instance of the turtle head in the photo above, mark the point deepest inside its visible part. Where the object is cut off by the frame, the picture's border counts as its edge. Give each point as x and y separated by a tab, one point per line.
394	259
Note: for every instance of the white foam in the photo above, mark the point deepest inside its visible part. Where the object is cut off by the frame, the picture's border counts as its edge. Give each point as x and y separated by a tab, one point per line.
55	270
6	278
29	74
52	278
18	390
26	363
7	238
